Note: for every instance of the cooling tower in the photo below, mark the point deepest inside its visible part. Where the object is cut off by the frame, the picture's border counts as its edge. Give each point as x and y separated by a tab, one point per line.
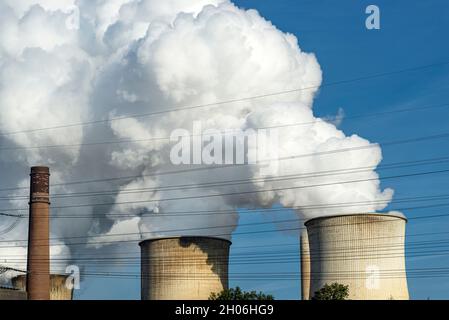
38	262
183	268
305	265
58	288
363	251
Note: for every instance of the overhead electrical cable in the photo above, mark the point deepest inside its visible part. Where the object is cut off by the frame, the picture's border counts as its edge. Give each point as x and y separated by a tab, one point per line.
242	99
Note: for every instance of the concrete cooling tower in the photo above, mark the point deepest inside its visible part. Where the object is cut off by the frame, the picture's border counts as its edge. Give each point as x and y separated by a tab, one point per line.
183	268
58	288
363	251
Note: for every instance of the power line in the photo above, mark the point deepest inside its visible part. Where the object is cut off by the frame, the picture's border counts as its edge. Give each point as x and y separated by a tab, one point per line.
139	234
277	257
265	246
356	251
356	241
393	165
283	210
390	143
100	143
11	227
265	261
215	104
233	193
262	210
224	183
241	192
352	273
4	269
311	206
11	215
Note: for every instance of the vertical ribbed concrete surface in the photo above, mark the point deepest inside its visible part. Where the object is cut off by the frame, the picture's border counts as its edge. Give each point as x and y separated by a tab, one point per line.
180	268
58	288
305	265
365	252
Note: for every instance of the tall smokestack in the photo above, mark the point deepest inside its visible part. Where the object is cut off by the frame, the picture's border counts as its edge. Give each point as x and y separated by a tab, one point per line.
38	277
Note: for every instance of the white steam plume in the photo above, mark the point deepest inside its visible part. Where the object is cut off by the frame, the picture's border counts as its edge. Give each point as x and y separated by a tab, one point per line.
130	57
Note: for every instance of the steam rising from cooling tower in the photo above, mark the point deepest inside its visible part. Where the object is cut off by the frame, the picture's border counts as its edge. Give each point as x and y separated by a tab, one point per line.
131	57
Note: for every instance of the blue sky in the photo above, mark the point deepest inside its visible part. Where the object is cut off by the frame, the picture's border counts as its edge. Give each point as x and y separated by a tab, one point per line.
412	34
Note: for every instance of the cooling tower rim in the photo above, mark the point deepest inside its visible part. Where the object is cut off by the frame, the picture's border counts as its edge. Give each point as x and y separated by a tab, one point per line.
400	216
51	275
143	242
9	288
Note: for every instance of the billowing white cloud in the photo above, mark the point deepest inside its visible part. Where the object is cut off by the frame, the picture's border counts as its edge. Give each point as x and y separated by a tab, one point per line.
129	57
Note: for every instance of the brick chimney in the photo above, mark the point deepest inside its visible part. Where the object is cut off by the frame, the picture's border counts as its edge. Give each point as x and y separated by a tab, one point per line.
38	268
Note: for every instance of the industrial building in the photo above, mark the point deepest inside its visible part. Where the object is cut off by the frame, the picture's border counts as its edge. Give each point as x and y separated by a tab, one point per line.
12	294
58	287
37	281
180	268
363	251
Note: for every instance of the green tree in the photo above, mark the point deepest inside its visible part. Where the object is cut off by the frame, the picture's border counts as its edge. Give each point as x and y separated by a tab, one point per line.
333	291
238	294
